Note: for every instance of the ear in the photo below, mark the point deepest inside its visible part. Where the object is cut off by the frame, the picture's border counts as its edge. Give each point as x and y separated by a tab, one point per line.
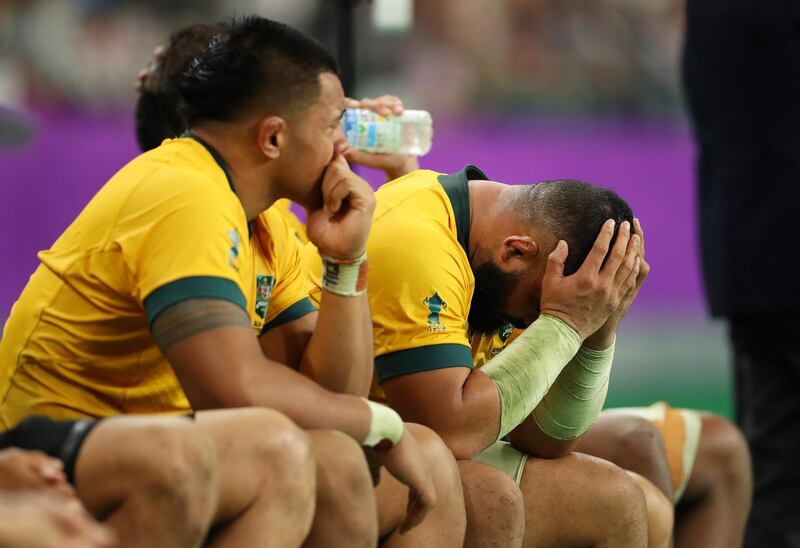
269	136
518	252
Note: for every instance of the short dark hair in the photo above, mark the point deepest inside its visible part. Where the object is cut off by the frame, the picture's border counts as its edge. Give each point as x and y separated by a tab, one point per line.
157	116
573	211
260	61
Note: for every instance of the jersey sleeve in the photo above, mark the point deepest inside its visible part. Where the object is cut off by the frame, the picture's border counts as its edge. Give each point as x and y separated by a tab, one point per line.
187	241
419	295
289	300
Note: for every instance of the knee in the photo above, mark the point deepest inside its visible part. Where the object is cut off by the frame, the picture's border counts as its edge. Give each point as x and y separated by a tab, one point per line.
343	476
640	441
345	494
274	444
181	467
180	451
660	513
615	491
639	447
490	494
724	449
441	463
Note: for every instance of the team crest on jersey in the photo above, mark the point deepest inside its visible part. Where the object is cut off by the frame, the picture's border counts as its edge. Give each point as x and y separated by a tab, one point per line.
264	284
505	332
435	305
233	251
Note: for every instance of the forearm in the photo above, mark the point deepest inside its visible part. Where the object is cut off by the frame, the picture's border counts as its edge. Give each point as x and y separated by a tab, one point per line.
569	408
496	399
275	386
527	369
339	353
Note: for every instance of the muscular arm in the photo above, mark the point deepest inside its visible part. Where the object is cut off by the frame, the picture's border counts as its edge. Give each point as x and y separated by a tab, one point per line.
339	353
470	409
214	353
333	347
461	404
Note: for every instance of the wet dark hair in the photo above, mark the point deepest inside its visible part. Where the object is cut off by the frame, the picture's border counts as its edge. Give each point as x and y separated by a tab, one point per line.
573	211
260	62
157	116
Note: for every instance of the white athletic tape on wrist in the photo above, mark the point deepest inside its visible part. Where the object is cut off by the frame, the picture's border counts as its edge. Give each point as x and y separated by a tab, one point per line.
525	370
575	400
345	277
386	424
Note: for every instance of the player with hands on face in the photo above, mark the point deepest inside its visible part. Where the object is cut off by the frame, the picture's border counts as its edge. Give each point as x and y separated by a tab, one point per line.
220	317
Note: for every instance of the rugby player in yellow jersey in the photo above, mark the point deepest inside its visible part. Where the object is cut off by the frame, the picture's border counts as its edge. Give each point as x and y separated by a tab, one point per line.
157	119
151	301
421	298
609	429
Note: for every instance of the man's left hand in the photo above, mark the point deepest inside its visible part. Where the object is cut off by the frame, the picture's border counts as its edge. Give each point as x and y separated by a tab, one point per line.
394	165
604	337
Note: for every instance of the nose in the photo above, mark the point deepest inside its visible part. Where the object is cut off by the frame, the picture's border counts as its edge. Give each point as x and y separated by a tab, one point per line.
338	135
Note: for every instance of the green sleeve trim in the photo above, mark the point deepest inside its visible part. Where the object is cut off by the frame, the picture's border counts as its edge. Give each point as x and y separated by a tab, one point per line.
297	310
195	287
423	358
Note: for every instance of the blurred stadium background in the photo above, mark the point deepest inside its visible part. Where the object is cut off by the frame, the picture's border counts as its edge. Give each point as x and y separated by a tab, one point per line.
525	89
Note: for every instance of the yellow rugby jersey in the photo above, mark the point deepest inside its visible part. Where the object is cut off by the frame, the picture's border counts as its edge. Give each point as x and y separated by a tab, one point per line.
281	295
420	283
166	228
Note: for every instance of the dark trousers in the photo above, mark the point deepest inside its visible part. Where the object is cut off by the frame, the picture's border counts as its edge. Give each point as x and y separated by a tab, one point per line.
767	365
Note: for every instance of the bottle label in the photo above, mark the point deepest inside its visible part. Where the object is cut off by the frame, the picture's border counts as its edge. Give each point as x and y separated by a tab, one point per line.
371	132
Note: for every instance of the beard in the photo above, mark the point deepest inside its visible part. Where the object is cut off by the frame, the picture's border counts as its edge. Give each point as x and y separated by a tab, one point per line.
492	290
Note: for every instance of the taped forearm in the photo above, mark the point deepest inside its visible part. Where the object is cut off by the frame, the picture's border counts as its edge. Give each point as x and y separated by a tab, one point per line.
573	403
525	370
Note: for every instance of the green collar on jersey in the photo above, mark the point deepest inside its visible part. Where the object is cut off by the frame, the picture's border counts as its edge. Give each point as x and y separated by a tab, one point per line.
220	162
214	154
456	186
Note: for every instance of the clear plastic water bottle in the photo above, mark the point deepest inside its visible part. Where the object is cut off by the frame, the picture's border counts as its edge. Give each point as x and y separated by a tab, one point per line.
409	133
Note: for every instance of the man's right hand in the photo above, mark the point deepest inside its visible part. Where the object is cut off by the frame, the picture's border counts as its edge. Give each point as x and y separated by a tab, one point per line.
340	227
585	299
405	463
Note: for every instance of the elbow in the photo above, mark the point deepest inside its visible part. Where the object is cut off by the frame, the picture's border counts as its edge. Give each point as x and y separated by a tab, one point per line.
220	397
340	382
463	445
210	402
541	446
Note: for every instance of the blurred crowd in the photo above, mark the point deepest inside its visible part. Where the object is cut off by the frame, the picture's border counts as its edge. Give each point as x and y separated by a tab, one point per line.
618	56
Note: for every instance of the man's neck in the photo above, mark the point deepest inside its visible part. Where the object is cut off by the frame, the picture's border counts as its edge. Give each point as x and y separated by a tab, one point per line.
484	197
248	177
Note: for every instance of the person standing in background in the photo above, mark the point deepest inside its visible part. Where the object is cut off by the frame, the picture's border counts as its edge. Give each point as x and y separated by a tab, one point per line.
741	70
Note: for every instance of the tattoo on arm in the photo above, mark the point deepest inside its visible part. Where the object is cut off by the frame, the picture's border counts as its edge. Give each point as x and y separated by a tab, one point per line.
193	316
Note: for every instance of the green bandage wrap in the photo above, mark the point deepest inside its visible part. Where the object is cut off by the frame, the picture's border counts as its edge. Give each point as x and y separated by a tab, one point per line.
525	370
573	403
386	424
